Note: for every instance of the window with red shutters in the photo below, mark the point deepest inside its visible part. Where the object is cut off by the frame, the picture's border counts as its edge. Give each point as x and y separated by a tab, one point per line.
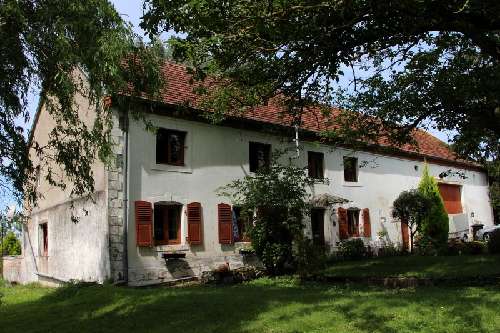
452	198
167	223
225	215
194	223
367	228
144	223
343	230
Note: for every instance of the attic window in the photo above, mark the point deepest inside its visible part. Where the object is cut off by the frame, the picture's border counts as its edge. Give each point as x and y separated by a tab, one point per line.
350	169
170	147
259	156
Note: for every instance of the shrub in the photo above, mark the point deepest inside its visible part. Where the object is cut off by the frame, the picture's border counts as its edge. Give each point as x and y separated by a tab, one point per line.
309	258
11	245
474	248
352	249
494	242
276	199
424	246
455	247
435	226
389	251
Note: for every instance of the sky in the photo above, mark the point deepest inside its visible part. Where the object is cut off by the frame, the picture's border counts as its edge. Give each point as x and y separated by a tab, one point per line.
131	11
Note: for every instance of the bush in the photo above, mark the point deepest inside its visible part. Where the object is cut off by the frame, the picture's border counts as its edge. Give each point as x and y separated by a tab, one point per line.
474	248
424	246
309	257
435	226
494	242
352	249
455	247
10	246
389	251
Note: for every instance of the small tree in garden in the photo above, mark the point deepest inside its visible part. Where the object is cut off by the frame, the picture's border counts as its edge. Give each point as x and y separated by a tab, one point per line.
435	225
411	207
275	199
10	246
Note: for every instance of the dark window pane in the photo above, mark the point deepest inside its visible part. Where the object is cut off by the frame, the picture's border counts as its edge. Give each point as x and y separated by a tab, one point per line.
350	169
173	226
315	165
259	156
159	225
162	146
353	222
170	147
318	226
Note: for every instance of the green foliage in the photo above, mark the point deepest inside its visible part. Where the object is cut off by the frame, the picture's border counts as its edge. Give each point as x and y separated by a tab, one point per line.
65	49
494	242
435	225
413	61
411	207
309	257
493	168
10	246
475	248
352	249
276	199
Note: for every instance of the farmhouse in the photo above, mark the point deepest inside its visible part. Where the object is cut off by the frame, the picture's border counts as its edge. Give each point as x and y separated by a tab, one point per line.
158	199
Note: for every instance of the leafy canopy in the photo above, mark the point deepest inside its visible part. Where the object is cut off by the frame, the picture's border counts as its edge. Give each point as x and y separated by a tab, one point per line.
413	62
65	49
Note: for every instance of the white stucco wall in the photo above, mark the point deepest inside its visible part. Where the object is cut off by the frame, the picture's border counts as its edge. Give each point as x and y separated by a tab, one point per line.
217	155
76	251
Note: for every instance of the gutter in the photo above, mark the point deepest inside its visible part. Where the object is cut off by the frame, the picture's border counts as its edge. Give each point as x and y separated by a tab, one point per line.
125	194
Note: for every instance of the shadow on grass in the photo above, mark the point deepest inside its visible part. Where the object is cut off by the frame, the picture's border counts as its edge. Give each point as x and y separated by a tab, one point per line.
419	266
262	306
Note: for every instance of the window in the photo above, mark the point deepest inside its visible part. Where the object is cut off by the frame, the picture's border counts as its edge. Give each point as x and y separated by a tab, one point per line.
353	222
259	156
452	198
167	224
315	164
350	169
318	226
242	224
43	240
170	147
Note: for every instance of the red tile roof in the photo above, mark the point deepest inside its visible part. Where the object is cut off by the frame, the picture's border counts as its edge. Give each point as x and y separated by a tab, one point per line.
179	90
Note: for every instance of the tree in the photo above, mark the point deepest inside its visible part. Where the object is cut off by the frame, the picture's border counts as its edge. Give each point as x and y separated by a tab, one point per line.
10	245
275	199
414	62
45	44
435	225
494	180
411	207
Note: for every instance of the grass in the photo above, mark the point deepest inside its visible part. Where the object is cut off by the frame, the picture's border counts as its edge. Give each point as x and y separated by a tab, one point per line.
264	305
418	266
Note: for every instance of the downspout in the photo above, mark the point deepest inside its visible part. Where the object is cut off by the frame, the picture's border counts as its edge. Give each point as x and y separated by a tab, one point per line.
125	194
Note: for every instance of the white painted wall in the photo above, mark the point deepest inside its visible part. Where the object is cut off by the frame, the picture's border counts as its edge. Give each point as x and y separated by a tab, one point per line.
217	155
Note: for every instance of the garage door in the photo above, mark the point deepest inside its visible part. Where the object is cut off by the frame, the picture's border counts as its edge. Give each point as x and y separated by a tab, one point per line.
452	198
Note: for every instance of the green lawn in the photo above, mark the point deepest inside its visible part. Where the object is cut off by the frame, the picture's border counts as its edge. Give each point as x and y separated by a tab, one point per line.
263	305
418	266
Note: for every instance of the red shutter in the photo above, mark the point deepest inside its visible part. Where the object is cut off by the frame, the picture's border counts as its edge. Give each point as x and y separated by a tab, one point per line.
194	223
144	223
405	234
225	223
367	227
343	230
